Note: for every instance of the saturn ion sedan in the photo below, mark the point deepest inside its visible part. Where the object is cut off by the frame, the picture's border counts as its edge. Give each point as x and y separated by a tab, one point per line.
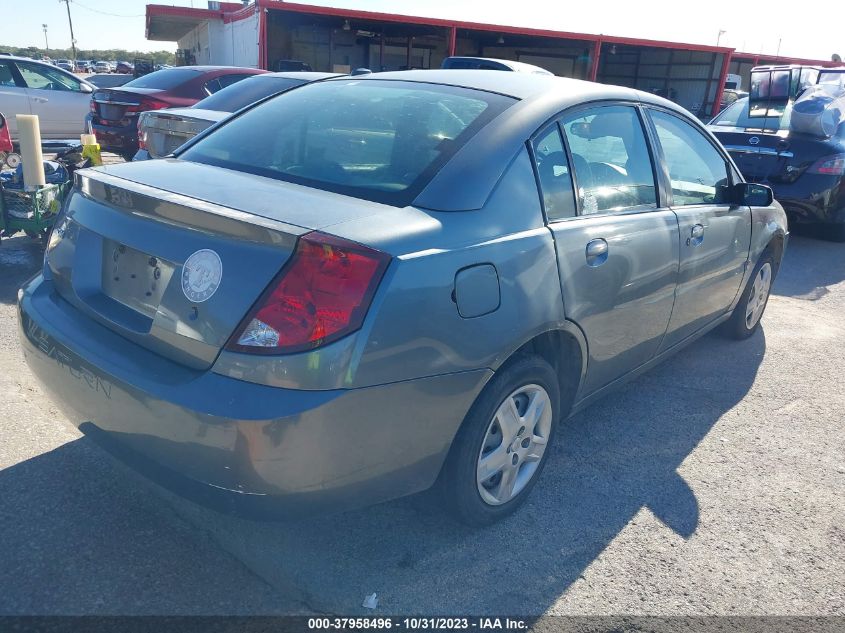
370	286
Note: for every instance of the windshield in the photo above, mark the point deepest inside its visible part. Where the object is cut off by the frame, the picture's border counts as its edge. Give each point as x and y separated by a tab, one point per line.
776	118
243	93
835	78
377	140
164	79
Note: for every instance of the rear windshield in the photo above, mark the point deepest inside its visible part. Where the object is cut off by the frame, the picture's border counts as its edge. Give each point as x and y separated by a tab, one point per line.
378	140
833	78
164	79
247	91
775	118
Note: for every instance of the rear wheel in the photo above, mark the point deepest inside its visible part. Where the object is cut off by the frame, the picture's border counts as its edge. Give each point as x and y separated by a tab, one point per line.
502	446
745	318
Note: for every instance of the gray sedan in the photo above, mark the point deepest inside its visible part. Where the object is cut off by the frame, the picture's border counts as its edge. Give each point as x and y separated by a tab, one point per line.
370	286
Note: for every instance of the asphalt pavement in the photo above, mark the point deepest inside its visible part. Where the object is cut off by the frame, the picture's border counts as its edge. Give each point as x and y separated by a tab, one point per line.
711	485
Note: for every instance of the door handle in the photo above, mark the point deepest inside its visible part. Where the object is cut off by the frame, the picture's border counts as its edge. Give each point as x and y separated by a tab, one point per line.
696	235
596	252
41	99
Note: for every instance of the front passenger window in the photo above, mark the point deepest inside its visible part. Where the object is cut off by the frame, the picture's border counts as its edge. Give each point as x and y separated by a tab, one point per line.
698	172
611	160
554	176
42	77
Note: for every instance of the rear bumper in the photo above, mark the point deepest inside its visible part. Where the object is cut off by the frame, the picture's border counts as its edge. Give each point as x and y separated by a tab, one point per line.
237	446
813	199
117	139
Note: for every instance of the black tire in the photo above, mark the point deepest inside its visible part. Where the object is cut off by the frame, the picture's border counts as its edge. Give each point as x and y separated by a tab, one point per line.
457	485
737	326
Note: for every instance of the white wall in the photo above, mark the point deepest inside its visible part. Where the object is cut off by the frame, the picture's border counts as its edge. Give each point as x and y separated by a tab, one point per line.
232	44
241	42
198	42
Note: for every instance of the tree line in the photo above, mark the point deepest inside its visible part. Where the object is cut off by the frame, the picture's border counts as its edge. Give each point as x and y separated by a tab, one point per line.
116	54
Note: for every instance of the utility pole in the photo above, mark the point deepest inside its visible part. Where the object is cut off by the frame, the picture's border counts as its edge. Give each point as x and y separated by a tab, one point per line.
719	37
72	38
46	44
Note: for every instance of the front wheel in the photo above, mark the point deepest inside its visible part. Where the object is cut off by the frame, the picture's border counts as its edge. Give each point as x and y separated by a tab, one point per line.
746	316
502	446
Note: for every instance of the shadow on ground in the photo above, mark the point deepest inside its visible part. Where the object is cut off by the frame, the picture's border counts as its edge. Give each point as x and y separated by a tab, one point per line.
20	259
809	267
82	535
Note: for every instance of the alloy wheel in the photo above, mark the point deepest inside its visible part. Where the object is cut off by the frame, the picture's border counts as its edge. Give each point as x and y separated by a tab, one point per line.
759	295
514	444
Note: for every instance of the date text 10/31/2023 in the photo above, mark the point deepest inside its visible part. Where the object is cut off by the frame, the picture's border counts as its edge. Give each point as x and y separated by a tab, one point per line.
418	623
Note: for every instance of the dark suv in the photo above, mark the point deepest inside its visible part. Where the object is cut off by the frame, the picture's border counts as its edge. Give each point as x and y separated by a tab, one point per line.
114	111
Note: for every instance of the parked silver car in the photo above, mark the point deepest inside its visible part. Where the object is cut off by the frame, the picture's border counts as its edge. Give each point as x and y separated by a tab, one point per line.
160	132
368	286
59	98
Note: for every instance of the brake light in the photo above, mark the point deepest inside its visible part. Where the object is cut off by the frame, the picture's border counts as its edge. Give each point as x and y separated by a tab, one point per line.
322	294
142	135
147	103
829	166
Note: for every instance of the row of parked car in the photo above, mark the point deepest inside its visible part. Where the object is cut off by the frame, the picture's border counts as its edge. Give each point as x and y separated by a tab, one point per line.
807	172
92	66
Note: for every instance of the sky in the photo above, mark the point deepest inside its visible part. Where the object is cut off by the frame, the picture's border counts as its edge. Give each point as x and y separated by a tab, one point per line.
120	23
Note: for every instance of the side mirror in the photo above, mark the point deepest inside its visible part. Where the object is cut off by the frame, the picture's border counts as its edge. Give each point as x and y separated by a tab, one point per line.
85	89
752	195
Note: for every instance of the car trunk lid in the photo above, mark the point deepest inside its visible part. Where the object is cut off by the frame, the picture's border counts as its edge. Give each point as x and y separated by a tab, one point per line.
758	154
172	273
113	105
163	131
305	207
772	157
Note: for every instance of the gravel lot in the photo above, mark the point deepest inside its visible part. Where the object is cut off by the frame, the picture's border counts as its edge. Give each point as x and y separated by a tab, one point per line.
712	485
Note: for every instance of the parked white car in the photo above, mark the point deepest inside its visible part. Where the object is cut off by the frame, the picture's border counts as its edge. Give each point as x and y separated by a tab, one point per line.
60	99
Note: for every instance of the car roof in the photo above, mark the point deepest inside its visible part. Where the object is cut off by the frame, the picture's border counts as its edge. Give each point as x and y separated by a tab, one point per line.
508	63
27	59
840	69
211	68
48	64
560	92
303	75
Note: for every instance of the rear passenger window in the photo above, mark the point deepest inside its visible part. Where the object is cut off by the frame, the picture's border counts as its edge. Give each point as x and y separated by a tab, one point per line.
212	86
610	159
554	176
698	172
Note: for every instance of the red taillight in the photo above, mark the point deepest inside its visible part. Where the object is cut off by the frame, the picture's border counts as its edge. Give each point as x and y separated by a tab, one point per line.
829	166
147	103
142	135
322	294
